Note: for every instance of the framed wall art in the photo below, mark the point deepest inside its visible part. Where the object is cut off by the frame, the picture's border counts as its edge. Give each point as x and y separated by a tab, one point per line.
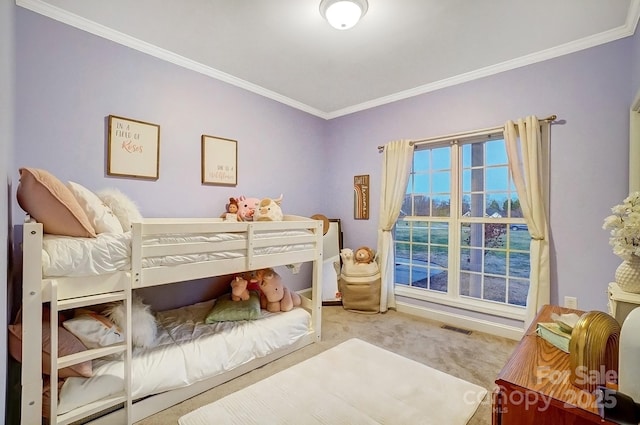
361	197
133	148
219	161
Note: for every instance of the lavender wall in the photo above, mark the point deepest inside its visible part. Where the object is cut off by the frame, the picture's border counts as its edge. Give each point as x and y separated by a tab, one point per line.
6	157
635	65
590	92
69	81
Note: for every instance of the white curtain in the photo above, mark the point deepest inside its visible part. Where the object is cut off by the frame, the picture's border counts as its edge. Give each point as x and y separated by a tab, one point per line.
528	163
396	166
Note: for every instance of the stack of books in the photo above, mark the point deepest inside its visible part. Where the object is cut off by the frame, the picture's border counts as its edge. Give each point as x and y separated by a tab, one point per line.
553	333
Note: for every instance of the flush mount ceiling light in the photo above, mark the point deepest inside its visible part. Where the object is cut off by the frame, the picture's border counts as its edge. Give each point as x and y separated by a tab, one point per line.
343	14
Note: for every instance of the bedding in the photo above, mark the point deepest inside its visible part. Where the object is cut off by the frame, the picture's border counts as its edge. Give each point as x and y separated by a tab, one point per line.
188	350
111	252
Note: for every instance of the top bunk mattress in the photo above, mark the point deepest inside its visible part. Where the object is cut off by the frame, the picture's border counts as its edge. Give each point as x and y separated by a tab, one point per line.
65	256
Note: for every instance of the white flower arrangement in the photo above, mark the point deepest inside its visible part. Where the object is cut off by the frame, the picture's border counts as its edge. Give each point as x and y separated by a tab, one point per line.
624	224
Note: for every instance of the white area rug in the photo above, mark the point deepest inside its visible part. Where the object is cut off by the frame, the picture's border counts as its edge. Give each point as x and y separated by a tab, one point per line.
352	383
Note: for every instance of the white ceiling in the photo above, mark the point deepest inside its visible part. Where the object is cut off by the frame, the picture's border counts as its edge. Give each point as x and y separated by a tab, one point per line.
283	49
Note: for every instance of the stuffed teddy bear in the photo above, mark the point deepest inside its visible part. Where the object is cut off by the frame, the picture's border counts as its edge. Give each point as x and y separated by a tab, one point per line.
363	255
274	296
232	213
239	291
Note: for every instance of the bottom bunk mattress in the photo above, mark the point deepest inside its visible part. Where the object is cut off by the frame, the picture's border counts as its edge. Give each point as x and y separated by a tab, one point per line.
187	350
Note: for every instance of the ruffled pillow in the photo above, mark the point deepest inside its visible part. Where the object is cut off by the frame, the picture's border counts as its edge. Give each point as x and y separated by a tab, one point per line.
122	206
99	214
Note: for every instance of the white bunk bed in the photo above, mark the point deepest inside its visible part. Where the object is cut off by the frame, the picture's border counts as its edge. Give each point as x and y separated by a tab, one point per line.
255	245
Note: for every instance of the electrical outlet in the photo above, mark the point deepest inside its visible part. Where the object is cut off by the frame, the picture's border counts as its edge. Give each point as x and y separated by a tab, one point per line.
571	302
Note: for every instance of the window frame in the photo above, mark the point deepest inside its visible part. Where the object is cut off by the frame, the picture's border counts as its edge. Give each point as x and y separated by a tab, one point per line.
452	297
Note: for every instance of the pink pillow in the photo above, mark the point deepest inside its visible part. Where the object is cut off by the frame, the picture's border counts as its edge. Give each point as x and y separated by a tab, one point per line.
67	344
50	202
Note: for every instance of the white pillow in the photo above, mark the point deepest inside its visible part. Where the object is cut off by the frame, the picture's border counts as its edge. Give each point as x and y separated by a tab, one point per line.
123	207
94	330
143	326
100	215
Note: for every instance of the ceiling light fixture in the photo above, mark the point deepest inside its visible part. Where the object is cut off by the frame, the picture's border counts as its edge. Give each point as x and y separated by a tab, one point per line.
343	14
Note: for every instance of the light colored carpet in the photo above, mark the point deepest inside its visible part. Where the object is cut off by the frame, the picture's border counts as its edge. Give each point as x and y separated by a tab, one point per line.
476	358
352	383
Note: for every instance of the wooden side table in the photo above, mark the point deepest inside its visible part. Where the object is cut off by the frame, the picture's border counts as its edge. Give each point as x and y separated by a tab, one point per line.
534	387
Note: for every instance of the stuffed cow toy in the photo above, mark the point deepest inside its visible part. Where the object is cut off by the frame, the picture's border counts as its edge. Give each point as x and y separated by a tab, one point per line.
274	296
269	210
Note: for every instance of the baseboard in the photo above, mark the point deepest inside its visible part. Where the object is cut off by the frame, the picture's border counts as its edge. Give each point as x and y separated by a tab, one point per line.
461	321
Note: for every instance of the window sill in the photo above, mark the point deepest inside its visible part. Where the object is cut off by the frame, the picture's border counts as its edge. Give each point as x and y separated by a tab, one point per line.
464	303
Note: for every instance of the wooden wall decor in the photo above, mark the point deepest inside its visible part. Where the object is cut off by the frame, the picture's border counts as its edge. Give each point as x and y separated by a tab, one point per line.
133	148
361	197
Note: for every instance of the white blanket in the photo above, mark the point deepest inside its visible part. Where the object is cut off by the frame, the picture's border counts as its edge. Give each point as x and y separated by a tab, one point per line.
111	252
187	351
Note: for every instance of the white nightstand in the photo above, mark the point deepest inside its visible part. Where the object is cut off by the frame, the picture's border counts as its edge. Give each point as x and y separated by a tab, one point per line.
621	302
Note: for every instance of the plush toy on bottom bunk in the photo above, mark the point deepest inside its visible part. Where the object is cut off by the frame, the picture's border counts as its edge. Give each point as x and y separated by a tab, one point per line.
274	296
239	291
143	321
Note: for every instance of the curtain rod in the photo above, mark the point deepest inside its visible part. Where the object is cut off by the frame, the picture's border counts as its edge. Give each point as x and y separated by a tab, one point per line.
549	119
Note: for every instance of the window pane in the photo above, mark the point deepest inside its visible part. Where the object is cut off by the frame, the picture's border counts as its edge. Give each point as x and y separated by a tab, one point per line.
441	158
441	182
439	257
495	262
519	265
496	152
518	290
438	280
497	179
421	206
421	159
441	206
421	183
519	237
466	156
494	235
419	277
494	206
466	181
495	289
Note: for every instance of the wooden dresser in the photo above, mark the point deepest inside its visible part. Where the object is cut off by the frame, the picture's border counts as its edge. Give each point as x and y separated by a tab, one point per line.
534	387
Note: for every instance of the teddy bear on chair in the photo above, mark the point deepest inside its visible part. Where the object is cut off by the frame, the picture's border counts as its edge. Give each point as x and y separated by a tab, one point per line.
274	296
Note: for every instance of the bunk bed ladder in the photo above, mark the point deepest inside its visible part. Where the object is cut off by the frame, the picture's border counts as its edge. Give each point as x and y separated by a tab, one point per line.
58	363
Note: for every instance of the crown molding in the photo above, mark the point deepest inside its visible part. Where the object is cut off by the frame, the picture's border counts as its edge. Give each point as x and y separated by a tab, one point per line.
92	27
585	43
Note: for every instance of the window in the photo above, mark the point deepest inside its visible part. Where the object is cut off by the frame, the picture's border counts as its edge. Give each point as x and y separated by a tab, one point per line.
461	238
